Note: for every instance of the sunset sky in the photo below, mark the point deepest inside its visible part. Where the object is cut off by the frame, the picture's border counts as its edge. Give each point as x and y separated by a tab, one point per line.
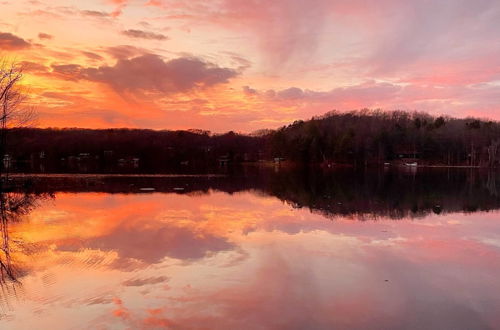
245	65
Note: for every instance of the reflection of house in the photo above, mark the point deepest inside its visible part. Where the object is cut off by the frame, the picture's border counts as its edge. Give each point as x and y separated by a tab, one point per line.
108	158
407	157
135	162
224	160
405	154
72	161
249	157
7	161
83	156
129	162
37	161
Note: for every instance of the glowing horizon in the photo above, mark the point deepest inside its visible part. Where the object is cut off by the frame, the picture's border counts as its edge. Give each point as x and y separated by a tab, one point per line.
247	65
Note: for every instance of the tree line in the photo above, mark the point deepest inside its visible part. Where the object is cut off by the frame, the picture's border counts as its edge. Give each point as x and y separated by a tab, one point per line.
376	137
357	138
151	150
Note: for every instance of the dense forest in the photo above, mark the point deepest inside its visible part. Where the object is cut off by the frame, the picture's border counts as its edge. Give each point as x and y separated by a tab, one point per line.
358	138
88	150
363	137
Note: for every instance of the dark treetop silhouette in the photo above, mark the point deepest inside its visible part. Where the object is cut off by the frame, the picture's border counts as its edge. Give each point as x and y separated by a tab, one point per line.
358	138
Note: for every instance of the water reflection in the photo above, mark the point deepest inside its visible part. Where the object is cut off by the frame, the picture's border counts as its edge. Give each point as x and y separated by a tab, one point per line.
13	207
246	253
395	194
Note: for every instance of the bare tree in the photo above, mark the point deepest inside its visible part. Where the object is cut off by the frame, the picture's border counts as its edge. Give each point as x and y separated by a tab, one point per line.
13	111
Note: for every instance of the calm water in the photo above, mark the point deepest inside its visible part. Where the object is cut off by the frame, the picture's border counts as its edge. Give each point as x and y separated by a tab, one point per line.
275	251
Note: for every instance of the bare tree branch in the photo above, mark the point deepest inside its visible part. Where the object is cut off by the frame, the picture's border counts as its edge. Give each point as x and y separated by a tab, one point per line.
13	112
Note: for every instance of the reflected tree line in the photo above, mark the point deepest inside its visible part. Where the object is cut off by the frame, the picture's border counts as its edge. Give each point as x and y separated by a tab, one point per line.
360	195
392	193
389	193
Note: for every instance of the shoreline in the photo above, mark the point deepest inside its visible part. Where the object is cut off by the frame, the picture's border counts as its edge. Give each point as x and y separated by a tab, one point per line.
111	175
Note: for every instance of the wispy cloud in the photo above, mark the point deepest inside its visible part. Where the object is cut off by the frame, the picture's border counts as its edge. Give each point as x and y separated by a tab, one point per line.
144	35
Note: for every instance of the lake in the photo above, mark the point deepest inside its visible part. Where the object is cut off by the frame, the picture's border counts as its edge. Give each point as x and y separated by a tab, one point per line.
253	250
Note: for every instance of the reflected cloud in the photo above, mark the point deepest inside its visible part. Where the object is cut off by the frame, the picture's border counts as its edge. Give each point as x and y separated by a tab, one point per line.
145	281
151	245
239	256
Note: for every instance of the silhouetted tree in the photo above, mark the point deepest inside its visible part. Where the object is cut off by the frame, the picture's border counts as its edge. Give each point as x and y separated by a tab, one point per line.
13	112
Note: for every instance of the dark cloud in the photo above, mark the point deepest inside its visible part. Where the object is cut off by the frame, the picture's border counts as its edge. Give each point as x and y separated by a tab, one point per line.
99	300
92	56
33	67
67	71
145	24
249	91
8	41
151	73
145	281
46	36
369	92
290	93
125	51
64	96
94	13
242	62
144	35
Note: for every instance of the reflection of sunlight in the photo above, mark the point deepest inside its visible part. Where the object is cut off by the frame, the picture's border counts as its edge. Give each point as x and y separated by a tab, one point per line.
54	215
